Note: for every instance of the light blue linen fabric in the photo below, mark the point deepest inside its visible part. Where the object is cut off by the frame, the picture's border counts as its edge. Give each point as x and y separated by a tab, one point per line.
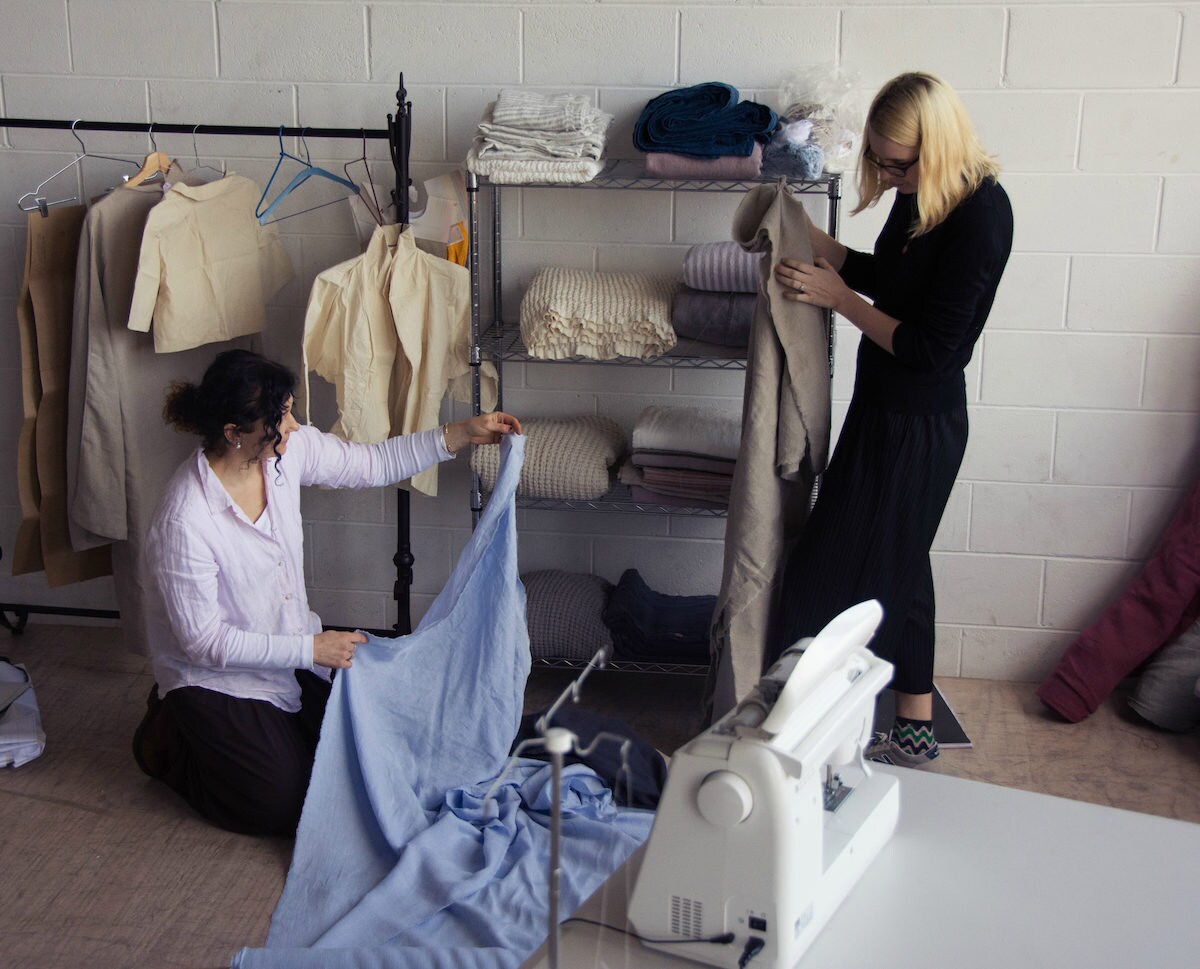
400	862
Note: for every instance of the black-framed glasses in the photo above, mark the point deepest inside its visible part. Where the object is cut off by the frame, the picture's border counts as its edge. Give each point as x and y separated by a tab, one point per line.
899	169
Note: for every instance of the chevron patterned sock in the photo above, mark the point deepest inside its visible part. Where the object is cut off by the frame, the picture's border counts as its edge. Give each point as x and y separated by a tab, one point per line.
915	737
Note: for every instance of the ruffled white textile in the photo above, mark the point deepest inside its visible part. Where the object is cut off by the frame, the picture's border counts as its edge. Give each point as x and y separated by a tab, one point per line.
575	313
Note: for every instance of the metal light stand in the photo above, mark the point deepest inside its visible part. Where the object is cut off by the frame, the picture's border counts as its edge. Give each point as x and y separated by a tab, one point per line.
558	742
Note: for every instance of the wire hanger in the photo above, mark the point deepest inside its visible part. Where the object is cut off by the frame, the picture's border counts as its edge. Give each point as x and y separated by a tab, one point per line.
35	201
219	172
309	170
372	203
156	165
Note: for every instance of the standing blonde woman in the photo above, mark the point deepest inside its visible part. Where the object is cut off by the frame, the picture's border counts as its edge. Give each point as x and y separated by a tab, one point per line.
931	281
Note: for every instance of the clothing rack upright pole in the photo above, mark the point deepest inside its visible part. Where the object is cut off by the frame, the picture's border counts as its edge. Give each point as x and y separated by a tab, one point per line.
399	136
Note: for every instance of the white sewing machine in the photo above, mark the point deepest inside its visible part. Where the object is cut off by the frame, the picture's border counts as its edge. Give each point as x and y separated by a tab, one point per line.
770	816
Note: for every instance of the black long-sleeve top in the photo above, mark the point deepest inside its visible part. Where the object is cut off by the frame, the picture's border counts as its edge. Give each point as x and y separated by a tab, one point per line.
940	286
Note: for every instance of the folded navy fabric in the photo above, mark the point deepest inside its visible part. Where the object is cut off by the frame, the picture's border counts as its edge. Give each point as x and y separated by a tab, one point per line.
651	626
704	120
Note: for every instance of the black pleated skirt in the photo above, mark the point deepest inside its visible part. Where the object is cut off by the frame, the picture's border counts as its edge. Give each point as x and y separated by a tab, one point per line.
869	534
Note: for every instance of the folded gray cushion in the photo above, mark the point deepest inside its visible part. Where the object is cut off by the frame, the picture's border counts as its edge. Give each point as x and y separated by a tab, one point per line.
564	612
720	318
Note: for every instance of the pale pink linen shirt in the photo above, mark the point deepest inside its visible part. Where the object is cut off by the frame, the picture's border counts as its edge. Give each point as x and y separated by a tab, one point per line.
229	609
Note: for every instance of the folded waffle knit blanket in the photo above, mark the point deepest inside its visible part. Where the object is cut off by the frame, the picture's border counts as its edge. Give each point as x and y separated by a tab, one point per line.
575	313
565	457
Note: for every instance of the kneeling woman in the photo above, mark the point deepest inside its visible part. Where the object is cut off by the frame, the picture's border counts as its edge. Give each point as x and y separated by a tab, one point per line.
241	663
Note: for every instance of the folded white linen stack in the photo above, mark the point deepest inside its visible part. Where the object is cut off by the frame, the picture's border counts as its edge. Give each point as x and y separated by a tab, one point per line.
527	137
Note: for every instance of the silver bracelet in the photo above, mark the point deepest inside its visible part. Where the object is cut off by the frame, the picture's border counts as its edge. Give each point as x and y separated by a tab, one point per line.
446	438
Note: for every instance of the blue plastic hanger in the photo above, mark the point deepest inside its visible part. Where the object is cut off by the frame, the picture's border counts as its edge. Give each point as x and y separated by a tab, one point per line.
309	170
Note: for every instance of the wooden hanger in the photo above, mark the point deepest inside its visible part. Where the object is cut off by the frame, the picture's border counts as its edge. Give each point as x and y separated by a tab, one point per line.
157	163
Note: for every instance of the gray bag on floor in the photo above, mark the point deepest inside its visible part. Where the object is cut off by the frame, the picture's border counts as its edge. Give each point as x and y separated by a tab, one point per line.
1167	691
21	736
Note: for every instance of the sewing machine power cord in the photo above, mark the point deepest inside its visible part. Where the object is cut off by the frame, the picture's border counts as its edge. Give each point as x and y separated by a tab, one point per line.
725	938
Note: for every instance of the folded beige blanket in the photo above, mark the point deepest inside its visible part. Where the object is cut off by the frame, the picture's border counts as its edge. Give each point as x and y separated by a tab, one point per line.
693	430
575	313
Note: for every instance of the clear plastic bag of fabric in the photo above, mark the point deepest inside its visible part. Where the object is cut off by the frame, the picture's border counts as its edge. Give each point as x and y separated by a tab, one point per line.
831	100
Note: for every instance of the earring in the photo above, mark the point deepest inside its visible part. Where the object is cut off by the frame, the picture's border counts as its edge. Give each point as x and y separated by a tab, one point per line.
238	445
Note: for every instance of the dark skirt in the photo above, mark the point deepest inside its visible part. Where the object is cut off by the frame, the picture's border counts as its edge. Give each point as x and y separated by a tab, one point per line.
869	535
242	764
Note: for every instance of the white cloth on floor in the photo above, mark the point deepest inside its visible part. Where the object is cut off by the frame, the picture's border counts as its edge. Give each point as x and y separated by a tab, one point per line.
21	736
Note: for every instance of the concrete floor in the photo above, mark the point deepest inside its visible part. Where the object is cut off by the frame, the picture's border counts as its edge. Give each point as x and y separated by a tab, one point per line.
105	868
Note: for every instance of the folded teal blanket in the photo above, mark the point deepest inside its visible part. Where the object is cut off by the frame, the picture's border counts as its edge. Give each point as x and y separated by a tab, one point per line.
401	862
704	120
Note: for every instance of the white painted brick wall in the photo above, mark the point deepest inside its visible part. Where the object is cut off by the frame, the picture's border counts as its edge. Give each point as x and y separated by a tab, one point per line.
1133	294
35	37
142	38
1179	227
579	44
1027	131
963	43
1092	45
1049	520
1146	131
1086	410
315	42
1044	369
739	44
445	43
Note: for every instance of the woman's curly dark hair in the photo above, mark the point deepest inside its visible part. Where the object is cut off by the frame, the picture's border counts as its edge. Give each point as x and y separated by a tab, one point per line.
239	387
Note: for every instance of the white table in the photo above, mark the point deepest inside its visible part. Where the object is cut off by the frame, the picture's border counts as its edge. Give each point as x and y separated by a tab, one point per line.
1010	880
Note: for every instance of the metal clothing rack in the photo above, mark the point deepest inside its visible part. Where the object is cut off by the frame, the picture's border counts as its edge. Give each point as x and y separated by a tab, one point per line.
399	137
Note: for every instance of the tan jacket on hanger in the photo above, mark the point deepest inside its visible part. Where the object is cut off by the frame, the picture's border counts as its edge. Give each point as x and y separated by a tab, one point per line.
122	453
390	329
206	268
44	322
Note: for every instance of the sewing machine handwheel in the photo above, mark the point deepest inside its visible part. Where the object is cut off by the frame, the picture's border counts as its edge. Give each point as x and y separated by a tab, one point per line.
724	799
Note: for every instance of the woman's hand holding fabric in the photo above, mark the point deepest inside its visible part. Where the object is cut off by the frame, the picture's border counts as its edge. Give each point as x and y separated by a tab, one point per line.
804	282
481	429
335	649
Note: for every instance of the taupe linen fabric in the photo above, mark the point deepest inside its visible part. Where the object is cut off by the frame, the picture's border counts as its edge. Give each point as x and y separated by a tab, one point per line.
785	444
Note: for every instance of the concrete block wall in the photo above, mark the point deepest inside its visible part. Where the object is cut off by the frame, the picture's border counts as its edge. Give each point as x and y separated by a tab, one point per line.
1085	387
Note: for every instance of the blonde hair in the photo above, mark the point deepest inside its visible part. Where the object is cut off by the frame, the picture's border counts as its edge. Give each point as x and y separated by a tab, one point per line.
922	111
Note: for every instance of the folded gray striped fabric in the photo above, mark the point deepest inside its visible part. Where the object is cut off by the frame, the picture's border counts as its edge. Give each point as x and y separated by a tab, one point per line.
560	112
722	266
